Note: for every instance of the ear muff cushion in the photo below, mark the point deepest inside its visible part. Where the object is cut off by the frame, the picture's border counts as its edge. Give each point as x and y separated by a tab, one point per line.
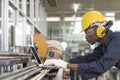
99	31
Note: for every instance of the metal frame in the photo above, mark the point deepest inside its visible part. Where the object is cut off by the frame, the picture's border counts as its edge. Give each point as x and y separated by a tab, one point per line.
4	24
18	11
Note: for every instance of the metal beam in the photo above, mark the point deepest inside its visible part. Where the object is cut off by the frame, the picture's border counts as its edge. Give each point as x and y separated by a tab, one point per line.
4	34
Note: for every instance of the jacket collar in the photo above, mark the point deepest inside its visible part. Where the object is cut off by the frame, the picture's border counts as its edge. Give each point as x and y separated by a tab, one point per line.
108	37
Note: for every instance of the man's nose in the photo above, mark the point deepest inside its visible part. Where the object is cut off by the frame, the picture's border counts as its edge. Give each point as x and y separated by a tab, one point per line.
86	36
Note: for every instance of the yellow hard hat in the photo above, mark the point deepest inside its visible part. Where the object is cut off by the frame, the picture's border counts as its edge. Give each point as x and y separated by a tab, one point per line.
91	17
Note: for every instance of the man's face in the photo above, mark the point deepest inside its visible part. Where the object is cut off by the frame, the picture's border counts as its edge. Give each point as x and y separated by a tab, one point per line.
91	36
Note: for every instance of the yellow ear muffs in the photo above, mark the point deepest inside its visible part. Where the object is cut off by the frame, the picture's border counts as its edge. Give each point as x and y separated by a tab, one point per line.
99	31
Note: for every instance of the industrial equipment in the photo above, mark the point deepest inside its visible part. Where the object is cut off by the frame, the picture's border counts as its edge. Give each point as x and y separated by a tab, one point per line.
34	71
55	49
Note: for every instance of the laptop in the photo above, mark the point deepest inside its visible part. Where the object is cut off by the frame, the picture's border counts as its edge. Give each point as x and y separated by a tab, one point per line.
39	63
34	52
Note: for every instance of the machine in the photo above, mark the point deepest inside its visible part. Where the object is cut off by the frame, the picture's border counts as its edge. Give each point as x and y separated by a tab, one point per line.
41	51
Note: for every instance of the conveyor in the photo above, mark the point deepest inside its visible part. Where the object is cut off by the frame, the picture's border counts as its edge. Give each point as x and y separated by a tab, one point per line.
35	73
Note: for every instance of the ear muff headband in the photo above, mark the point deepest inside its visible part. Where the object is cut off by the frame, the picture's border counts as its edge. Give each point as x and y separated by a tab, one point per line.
99	31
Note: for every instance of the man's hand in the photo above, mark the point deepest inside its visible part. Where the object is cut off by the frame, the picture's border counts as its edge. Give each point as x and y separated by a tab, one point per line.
41	65
56	62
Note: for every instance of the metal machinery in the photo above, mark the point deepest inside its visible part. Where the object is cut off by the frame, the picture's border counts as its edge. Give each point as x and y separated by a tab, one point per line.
12	61
55	49
32	71
48	49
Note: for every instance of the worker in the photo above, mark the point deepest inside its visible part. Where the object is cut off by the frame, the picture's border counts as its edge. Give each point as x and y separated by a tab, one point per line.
104	56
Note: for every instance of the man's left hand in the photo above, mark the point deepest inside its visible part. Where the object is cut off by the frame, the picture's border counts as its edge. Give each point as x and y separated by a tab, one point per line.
56	62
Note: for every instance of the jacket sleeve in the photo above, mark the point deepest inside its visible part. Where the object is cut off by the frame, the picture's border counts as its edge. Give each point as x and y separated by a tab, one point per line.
95	55
108	60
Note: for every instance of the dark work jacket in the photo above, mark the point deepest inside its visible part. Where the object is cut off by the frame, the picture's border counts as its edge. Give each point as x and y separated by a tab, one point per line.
104	57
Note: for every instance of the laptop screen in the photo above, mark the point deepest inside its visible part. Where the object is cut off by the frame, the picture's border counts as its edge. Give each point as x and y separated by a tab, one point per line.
34	52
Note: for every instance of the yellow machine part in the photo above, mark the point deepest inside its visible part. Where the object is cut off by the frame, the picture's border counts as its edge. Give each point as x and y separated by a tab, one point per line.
41	44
